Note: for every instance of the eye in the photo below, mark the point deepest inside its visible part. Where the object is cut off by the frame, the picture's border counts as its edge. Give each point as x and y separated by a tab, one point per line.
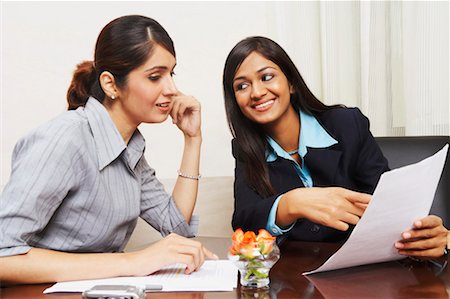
241	86
267	77
154	77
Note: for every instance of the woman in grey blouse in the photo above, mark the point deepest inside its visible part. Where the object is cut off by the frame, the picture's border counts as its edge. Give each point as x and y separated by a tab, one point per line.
79	182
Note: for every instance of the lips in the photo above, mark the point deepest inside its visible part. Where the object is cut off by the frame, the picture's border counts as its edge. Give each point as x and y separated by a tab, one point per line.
264	106
164	107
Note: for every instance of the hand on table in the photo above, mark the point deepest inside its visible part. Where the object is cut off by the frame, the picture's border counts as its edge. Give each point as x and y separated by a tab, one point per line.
170	250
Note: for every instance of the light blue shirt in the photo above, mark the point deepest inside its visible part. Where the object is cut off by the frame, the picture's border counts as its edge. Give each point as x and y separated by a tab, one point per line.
312	135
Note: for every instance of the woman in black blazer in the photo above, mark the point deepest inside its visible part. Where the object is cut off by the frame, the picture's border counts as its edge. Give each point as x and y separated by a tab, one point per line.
285	139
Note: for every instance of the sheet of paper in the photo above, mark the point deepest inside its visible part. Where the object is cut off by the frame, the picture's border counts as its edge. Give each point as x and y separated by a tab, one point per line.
216	276
402	196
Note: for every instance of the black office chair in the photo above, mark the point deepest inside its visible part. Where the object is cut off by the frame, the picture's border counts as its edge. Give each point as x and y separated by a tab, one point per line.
401	151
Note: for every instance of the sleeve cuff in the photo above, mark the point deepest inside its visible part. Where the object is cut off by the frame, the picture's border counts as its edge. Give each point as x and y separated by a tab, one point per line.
193	225
16	250
271	227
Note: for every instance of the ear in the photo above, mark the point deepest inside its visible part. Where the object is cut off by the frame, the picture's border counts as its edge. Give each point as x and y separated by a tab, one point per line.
291	89
108	84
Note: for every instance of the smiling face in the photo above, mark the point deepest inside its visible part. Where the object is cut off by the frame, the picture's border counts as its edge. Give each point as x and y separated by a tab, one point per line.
262	90
147	96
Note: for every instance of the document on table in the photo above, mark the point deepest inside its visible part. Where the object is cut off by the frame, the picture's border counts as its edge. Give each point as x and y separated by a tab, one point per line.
215	276
402	196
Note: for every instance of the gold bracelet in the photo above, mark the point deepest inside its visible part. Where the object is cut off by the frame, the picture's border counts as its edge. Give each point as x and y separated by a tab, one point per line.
188	176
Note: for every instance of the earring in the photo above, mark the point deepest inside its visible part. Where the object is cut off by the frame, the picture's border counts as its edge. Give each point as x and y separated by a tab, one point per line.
113	97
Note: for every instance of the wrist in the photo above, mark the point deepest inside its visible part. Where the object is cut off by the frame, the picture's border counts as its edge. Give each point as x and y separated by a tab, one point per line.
286	212
193	140
127	263
189	176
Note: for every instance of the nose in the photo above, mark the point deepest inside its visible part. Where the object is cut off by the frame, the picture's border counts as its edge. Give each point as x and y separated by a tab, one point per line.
169	88
258	90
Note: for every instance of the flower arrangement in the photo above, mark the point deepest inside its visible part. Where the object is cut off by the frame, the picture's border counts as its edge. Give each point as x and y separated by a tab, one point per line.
250	245
254	255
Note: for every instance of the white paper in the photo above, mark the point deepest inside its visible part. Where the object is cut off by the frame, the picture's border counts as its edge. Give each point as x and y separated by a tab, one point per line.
216	276
402	196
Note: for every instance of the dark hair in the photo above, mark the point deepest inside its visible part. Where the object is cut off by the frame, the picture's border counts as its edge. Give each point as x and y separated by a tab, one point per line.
250	136
123	45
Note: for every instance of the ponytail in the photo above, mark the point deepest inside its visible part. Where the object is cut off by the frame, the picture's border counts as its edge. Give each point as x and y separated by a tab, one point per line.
84	82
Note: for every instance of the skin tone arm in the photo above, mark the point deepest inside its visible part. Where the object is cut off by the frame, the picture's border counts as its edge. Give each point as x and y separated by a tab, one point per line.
333	206
186	115
339	207
43	265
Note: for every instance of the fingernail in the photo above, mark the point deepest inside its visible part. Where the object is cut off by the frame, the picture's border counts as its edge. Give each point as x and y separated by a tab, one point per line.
406	235
418	224
399	245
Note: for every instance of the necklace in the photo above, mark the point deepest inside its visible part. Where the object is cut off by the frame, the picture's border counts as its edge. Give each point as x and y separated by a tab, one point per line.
293	152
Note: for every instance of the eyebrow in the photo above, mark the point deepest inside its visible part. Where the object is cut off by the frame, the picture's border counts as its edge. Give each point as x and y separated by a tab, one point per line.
159	67
258	71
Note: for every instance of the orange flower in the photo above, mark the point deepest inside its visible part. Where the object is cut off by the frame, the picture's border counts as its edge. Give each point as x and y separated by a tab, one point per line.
249	245
249	238
237	237
265	241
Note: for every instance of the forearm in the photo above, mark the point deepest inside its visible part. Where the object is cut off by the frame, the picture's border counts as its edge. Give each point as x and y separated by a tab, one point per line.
334	207
185	190
298	203
285	214
43	265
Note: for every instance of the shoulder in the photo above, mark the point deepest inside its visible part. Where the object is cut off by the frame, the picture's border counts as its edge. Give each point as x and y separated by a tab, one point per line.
341	115
343	119
347	125
58	135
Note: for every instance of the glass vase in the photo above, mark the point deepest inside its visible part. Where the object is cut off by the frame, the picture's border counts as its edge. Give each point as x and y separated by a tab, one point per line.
254	271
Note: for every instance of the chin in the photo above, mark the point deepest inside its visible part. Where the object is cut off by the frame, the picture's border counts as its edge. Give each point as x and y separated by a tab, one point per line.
156	119
263	120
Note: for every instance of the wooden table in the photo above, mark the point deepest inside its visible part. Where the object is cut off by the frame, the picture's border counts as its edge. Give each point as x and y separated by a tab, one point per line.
386	280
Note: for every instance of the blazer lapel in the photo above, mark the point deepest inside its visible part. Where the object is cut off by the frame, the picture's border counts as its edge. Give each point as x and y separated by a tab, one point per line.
323	164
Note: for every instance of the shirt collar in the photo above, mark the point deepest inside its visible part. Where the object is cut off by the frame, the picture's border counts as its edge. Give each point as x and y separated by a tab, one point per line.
312	135
108	140
136	148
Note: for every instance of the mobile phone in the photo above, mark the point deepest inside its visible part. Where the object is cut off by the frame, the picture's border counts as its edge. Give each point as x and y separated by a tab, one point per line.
114	292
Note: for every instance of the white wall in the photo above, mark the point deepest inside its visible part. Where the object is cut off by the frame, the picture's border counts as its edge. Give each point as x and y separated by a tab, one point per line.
329	41
43	41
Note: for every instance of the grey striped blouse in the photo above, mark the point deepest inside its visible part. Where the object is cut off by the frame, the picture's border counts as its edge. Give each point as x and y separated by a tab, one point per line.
75	186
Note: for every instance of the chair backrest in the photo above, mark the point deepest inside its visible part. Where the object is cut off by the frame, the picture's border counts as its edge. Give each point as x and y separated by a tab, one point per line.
401	151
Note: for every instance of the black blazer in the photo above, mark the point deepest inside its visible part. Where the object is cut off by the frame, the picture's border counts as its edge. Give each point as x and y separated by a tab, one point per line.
355	162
